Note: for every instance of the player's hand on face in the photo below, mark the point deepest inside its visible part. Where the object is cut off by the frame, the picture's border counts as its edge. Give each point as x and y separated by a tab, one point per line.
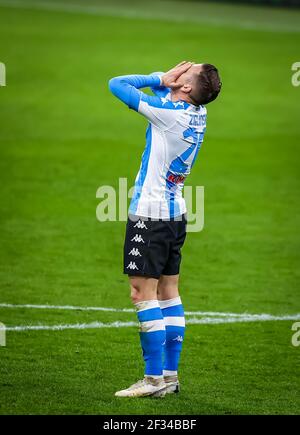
170	77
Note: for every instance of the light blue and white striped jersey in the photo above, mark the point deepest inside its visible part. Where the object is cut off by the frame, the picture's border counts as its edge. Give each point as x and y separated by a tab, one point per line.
173	139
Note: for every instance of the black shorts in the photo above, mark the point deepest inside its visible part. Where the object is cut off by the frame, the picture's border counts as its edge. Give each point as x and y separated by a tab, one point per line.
152	247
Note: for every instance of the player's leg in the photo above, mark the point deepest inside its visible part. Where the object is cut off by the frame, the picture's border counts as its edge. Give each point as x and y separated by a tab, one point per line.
173	313
152	327
152	336
167	287
170	303
146	252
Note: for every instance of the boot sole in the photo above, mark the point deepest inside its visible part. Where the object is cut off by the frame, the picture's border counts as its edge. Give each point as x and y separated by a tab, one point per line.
172	389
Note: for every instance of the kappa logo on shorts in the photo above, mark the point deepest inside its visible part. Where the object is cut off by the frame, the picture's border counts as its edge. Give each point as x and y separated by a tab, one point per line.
137	238
135	252
132	266
140	224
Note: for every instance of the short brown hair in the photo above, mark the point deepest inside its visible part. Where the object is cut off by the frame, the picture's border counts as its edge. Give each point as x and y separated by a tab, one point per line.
209	84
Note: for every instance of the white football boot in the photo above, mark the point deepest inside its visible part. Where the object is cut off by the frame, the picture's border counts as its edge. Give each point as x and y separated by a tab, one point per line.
172	386
145	387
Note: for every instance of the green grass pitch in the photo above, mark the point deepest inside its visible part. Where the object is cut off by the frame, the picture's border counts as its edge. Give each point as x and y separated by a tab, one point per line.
62	135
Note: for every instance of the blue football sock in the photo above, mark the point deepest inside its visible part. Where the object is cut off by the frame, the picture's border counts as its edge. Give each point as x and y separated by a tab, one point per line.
152	335
173	314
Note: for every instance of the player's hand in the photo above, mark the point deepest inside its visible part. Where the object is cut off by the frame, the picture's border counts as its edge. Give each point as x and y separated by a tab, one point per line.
169	78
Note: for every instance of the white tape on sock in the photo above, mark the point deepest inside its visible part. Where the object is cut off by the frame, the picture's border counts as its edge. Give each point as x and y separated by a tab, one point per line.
170	303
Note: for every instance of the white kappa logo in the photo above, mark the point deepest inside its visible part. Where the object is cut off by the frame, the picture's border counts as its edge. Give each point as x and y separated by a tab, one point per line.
137	238
140	224
179	338
135	252
179	103
132	266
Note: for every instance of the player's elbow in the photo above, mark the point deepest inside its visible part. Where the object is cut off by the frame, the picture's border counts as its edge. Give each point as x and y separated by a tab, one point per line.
114	85
120	89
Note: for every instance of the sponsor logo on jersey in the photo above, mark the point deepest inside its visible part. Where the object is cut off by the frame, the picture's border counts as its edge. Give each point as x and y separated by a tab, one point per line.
176	179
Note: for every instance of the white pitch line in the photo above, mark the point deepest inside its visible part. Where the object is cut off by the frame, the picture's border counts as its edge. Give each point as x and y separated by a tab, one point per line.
115	310
117	324
246	318
66	307
93	325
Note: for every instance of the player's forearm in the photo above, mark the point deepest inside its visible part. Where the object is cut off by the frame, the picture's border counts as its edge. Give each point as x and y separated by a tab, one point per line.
160	90
126	88
159	86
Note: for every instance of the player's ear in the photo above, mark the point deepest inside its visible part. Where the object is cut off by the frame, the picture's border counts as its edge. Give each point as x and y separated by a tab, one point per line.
186	88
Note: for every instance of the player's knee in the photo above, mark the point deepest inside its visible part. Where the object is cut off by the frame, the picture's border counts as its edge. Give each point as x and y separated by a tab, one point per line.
136	291
140	292
135	294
